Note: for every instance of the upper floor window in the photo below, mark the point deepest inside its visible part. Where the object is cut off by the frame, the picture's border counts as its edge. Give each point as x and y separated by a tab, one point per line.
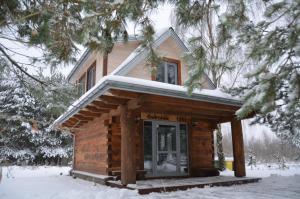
167	72
81	87
91	77
87	80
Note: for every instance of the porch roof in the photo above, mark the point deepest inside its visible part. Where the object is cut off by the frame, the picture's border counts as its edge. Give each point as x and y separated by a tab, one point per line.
100	95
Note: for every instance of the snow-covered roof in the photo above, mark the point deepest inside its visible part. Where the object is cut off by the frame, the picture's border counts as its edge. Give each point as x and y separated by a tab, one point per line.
116	80
145	86
138	54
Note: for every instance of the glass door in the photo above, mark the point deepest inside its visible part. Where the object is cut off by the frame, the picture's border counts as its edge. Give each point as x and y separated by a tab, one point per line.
166	158
165	148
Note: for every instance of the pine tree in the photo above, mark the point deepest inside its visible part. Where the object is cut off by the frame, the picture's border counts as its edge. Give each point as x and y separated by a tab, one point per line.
26	114
17	107
251	159
269	48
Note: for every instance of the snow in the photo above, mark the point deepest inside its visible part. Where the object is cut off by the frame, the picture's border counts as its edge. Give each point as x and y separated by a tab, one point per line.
15	172
47	183
142	82
91	174
263	170
155	84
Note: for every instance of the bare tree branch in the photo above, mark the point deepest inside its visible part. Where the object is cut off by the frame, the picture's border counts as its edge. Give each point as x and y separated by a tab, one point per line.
20	67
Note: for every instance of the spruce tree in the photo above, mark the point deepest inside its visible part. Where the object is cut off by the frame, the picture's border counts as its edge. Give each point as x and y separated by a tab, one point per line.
17	108
26	112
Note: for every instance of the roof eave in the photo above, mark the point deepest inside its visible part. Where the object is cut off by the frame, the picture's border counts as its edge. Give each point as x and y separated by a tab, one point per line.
113	84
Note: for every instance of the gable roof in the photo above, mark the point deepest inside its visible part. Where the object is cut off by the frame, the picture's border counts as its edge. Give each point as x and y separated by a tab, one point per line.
88	52
139	53
145	86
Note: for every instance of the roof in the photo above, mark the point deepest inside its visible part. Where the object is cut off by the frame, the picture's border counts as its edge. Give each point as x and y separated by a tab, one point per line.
88	52
145	86
116	80
138	54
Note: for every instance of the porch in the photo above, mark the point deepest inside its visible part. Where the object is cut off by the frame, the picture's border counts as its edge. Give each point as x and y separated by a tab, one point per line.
175	184
167	184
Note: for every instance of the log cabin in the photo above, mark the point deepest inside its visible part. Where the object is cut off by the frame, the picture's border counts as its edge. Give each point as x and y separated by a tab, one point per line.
135	125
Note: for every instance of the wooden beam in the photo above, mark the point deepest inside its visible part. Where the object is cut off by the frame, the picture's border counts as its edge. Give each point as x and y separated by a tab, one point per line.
82	118
124	94
128	148
89	113
147	98
171	109
95	109
101	105
238	148
113	100
79	124
71	119
72	123
69	124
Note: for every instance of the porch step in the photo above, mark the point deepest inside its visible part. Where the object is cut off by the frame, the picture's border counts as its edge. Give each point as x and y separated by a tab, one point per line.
175	184
140	174
97	178
117	173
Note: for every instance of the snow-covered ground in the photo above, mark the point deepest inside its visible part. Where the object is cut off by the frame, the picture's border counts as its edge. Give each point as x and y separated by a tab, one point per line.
53	183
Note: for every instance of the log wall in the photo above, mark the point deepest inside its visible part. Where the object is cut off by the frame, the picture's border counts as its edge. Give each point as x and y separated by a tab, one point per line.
201	149
91	147
98	146
115	145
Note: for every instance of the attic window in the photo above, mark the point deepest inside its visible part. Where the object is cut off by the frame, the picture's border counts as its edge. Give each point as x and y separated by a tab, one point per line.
91	77
168	71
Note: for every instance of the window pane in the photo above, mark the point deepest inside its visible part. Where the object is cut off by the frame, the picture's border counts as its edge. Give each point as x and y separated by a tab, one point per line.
172	69
160	73
166	138
167	162
91	77
81	86
148	146
183	149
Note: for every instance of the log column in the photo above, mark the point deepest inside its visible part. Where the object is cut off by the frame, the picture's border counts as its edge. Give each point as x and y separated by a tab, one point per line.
128	147
238	148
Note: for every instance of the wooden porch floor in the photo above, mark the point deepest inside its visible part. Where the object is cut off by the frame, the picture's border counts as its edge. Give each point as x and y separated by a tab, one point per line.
166	185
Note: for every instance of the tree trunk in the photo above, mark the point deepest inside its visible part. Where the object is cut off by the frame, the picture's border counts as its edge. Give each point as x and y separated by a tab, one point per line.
220	152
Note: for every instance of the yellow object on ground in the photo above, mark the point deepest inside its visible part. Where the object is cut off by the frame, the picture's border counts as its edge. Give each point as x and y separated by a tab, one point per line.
229	164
